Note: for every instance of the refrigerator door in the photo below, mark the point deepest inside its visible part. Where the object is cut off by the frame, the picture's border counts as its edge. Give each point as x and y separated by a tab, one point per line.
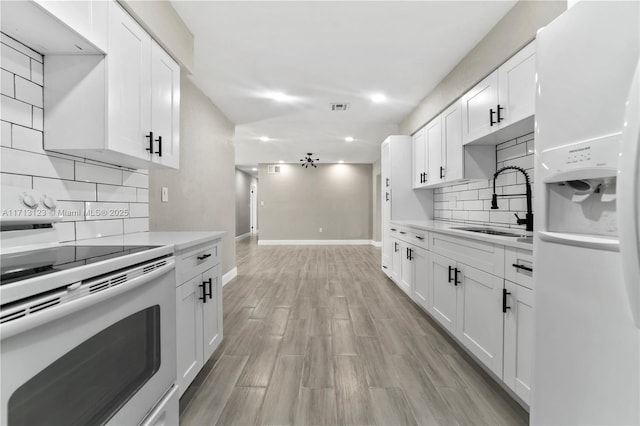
629	198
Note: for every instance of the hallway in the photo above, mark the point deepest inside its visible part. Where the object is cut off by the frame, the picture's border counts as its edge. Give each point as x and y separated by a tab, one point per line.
319	335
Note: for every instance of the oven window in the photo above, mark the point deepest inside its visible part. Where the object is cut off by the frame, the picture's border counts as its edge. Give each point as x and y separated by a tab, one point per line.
89	384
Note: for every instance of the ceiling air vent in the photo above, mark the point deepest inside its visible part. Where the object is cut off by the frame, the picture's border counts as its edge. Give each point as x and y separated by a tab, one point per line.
339	107
273	168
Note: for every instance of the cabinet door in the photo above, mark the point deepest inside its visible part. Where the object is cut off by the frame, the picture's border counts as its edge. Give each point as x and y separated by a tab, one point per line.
419	159
165	107
406	275
211	312
476	106
421	276
516	86
129	84
442	301
396	261
433	136
452	150
518	340
188	332
479	311
387	244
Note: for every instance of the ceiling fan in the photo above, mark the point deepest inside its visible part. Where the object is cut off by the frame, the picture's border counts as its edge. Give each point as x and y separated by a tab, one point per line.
308	161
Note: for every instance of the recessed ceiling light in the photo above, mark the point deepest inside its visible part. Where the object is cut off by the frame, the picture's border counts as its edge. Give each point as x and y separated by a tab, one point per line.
280	161
264	138
254	169
279	96
341	161
349	139
378	98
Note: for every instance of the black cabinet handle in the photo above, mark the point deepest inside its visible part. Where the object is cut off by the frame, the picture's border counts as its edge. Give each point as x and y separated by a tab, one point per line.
421	177
450	270
499	117
395	247
441	172
386	196
491	112
409	254
455	279
524	268
505	293
159	151
210	282
387	181
150	137
204	292
402	232
394	229
419	237
204	256
384	267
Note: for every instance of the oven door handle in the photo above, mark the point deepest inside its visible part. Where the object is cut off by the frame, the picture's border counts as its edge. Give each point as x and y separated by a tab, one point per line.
30	321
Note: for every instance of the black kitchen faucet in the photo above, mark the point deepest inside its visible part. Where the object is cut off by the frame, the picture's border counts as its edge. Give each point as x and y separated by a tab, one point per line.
528	220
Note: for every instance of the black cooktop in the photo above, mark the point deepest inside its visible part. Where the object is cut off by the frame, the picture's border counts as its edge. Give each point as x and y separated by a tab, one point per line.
33	263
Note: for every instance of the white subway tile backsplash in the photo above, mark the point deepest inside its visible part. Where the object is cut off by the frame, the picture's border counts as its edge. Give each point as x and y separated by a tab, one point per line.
66	231
138	210
15	111
92	173
459	215
98	228
15	62
468	195
506	178
5	39
479	216
525	162
480	184
27	139
518	204
38	118
136	225
18	181
473	205
91	196
116	193
37	73
514	189
143	195
29	92
29	163
7	83
6	134
138	180
104	211
67	190
512	152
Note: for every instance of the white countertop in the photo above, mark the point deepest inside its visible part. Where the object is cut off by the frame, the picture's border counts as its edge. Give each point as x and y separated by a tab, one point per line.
179	240
448	228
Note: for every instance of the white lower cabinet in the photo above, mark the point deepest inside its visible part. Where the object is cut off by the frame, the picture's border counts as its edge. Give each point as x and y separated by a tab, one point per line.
420	266
198	312
442	303
518	339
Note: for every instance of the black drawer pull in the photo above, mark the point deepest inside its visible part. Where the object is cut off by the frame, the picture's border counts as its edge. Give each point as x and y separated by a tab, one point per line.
394	229
450	270
524	268
419	237
455	279
384	267
204	256
204	292
402	232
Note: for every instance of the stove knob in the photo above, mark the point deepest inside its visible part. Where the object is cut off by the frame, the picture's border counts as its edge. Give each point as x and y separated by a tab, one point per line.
49	202
29	201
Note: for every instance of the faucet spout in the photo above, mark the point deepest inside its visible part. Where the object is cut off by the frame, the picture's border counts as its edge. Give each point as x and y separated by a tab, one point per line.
528	220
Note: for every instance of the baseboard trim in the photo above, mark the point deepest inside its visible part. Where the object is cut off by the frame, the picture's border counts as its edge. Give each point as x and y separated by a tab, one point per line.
315	242
376	243
226	278
243	236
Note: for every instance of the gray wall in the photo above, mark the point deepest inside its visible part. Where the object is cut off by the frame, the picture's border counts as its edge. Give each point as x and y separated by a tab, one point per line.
298	201
243	210
377	202
510	34
201	192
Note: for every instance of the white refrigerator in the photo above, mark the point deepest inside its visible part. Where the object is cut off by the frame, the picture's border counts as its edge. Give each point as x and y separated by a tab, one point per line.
587	279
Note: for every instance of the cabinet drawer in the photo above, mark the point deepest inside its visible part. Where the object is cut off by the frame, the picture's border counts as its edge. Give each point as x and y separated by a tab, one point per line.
518	266
485	256
196	260
417	237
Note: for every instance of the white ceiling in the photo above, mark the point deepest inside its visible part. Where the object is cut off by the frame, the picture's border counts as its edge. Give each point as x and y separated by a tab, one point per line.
322	52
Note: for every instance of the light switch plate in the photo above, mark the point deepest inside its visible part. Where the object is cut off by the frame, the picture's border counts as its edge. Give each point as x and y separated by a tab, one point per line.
164	195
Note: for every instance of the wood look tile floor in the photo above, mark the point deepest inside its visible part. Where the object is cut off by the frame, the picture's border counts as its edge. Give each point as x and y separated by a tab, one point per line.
319	335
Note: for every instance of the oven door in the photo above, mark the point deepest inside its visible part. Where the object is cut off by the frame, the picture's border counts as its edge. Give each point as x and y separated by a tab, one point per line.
106	356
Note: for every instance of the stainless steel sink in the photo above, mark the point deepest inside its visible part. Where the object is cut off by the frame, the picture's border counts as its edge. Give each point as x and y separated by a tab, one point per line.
491	231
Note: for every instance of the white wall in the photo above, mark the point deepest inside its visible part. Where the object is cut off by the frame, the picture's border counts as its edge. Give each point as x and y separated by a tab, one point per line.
96	199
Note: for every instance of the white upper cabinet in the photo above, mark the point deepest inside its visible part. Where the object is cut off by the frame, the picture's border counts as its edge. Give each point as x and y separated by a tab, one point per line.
501	106
452	155
122	108
433	136
419	159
